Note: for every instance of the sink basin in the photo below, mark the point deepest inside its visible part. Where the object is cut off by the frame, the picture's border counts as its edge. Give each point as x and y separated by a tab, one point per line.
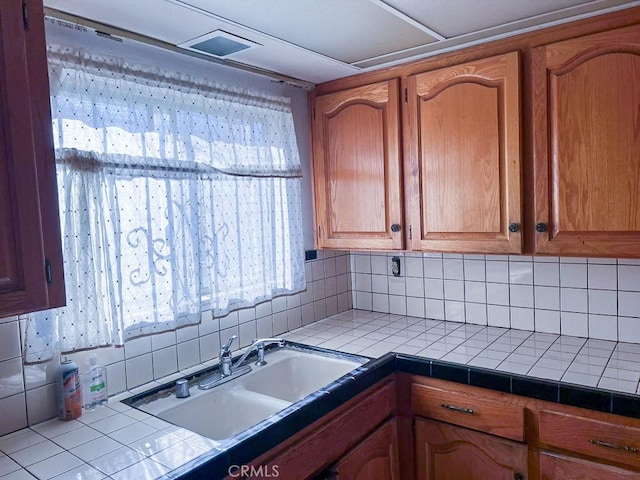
221	414
228	409
295	376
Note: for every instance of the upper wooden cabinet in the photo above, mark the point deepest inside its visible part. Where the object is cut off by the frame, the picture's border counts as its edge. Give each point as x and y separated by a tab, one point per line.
586	100
30	252
462	154
356	167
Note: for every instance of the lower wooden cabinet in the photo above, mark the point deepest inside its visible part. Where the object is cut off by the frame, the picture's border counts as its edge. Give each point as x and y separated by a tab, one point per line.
344	434
376	457
559	467
447	452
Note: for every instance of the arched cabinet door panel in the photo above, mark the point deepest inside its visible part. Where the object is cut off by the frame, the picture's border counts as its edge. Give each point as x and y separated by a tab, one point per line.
447	452
586	98
462	147
356	168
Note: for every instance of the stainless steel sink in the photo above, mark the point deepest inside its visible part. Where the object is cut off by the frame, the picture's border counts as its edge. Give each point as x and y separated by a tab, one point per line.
230	408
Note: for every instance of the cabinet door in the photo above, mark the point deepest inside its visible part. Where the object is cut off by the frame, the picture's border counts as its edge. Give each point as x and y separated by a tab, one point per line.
559	467
375	457
445	452
586	95
356	163
23	284
462	144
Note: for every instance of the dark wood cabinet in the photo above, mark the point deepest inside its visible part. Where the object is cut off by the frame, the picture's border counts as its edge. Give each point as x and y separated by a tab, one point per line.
586	145
447	452
31	275
356	168
375	457
463	157
560	467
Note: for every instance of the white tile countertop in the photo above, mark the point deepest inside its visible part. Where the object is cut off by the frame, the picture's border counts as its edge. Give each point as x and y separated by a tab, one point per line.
120	442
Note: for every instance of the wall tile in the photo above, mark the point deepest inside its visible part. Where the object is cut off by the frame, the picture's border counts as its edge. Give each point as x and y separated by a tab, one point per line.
397	305
629	329
413	267
416	307
380	302
521	273
573	275
9	340
629	304
497	271
139	370
264	326
602	277
573	300
474	270
454	311
40	406
116	380
522	318
498	293
604	327
547	321
247	332
433	267
453	269
11	379
476	313
498	316
188	354
294	318
13	411
575	324
434	288
547	298
434	308
475	292
546	274
603	302
521	296
209	346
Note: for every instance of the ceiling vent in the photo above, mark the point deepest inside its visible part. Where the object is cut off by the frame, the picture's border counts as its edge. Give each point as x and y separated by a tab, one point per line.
219	44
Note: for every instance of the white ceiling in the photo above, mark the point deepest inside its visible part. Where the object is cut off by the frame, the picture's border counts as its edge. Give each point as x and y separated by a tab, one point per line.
320	40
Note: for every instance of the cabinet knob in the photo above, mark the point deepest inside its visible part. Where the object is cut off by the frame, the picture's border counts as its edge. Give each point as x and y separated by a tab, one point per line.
514	227
395	228
518	476
541	227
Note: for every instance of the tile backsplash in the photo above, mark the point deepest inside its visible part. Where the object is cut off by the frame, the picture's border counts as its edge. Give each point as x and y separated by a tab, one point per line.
595	297
28	393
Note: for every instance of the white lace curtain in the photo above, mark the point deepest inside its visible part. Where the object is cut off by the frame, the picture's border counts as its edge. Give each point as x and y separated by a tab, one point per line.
176	195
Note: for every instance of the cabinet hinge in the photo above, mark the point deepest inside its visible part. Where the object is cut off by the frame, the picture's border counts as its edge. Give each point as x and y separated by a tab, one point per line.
47	271
25	15
406	96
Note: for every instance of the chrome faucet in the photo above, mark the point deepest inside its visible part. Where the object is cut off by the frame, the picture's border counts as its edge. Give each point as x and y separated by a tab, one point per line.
224	359
258	346
228	371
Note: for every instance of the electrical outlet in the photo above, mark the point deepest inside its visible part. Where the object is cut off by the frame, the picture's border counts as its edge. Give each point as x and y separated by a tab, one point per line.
395	266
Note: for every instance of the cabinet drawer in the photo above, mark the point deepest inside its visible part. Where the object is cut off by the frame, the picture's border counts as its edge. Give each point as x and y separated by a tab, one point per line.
612	441
486	413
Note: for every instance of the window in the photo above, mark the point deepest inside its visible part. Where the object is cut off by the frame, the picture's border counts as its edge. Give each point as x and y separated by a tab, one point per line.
176	195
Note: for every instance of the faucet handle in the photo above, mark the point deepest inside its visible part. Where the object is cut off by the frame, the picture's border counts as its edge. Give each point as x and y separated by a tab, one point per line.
226	349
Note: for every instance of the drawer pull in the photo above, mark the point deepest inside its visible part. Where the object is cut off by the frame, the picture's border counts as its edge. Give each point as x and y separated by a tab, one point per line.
458	409
600	443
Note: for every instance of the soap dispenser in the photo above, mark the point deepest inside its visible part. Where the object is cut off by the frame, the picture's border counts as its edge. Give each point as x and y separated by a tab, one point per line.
95	385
